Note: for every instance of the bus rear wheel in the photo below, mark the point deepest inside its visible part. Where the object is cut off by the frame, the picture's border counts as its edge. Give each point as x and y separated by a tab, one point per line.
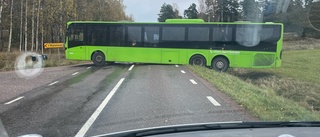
220	64
98	58
197	60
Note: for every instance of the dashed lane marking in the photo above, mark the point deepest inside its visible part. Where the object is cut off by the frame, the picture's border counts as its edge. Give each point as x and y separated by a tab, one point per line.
10	102
53	83
131	67
75	73
213	101
193	82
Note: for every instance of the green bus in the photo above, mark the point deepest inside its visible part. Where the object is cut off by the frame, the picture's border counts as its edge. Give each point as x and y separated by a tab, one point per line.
219	45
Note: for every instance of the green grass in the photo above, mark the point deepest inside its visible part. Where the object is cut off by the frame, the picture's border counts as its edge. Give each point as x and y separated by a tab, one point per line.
297	79
300	64
291	92
263	103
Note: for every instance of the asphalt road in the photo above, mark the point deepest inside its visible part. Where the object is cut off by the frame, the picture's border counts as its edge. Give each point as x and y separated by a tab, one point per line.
87	100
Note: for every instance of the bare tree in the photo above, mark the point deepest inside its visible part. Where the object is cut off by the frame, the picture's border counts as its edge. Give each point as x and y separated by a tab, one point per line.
202	6
32	29
10	35
26	28
1	8
37	31
21	22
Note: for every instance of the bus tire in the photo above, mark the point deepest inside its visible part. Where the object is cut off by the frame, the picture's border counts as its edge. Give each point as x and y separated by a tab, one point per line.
98	58
220	64
197	60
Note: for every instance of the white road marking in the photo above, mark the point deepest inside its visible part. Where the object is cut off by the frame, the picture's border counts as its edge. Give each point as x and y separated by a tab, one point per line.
193	82
131	67
182	71
75	73
14	100
94	116
53	83
213	101
88	67
177	65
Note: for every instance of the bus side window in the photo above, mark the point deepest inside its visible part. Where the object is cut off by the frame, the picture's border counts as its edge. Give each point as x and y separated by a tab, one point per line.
222	34
134	36
151	36
117	36
248	35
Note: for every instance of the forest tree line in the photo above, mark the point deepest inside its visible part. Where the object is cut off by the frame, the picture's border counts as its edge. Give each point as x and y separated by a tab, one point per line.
292	13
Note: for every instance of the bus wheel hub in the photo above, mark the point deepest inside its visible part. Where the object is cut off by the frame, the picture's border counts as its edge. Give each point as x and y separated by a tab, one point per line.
220	64
99	58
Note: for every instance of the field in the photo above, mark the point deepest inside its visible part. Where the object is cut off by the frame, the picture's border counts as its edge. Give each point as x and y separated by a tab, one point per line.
291	92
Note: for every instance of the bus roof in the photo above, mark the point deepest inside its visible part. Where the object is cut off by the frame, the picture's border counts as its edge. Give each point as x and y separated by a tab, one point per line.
184	20
171	21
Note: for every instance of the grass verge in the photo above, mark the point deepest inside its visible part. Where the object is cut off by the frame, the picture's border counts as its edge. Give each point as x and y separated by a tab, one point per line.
263	103
7	60
297	79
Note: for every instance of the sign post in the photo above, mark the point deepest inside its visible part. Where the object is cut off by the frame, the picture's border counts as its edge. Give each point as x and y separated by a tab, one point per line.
54	46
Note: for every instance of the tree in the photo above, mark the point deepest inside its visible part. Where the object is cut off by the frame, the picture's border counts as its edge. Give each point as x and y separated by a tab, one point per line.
21	22
37	19
210	9
314	17
220	10
37	28
166	12
202	10
26	28
1	8
32	31
10	35
176	11
191	12
251	10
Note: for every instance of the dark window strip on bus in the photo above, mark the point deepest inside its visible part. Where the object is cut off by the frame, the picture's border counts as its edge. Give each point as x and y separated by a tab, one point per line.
226	37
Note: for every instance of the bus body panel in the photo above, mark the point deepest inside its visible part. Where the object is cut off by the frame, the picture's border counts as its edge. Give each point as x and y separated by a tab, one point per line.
77	53
165	54
239	59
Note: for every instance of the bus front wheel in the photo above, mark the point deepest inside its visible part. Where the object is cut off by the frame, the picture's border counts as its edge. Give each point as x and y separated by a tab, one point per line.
220	64
197	60
98	58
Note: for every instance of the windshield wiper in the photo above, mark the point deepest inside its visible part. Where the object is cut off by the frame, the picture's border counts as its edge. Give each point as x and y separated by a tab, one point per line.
210	126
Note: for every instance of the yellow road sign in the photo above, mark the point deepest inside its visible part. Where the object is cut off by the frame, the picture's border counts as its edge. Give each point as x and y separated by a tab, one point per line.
53	45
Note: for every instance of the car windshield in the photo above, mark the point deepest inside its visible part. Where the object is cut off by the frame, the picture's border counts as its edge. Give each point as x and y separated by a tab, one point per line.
87	68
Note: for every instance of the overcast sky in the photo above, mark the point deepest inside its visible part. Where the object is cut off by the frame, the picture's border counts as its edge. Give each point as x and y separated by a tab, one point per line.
148	10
